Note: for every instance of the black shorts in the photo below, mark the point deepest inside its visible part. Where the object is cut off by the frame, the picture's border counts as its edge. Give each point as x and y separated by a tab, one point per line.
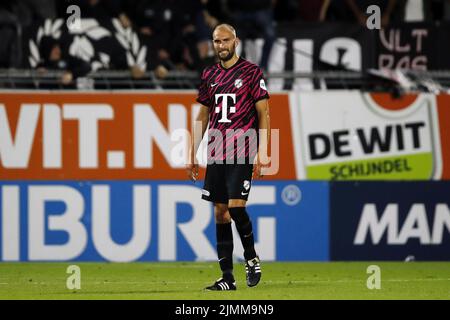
227	181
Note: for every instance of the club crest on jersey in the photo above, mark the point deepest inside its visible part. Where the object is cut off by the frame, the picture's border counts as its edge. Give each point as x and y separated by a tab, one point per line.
262	84
246	185
238	83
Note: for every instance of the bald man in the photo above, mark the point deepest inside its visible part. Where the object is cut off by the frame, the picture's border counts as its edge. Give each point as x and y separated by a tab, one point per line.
234	101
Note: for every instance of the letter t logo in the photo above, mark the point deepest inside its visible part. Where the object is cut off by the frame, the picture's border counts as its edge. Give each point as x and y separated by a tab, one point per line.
225	105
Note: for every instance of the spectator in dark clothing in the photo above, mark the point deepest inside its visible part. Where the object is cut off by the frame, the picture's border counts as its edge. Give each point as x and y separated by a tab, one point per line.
185	23
254	18
205	23
15	18
218	9
30	11
172	30
312	10
20	10
150	20
55	58
9	46
338	10
42	9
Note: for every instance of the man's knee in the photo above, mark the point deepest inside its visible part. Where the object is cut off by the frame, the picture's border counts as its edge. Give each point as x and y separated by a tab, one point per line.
238	211
233	203
221	213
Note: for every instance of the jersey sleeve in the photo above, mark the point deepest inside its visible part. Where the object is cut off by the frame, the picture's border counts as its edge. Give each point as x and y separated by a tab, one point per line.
203	96
259	88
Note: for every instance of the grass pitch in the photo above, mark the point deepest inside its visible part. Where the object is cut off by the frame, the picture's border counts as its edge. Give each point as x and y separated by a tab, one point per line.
180	281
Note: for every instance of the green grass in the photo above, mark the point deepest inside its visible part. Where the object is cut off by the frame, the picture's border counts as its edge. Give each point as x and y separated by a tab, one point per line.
333	280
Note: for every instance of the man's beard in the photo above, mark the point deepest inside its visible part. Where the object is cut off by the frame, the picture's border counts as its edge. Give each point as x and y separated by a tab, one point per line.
227	57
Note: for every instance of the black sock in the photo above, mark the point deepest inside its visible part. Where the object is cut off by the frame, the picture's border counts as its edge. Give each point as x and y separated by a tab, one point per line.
224	238
244	227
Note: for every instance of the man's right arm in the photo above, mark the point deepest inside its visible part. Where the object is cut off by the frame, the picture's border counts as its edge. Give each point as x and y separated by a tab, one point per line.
197	132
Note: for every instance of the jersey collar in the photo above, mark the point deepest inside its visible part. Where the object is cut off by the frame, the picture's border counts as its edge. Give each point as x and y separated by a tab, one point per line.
234	65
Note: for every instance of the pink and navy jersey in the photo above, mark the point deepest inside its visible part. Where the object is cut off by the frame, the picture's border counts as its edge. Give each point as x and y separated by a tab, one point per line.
231	95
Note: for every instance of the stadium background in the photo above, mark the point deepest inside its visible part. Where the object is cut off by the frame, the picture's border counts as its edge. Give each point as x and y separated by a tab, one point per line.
91	170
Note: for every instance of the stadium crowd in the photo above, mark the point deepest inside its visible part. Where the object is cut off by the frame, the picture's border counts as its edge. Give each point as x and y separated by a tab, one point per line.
177	32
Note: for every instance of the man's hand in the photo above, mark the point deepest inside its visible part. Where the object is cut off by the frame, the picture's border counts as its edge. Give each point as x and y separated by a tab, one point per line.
362	19
257	167
161	72
67	78
192	171
385	20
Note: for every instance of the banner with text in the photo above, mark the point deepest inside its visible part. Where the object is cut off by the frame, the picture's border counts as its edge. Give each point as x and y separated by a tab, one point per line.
349	135
390	220
115	135
124	221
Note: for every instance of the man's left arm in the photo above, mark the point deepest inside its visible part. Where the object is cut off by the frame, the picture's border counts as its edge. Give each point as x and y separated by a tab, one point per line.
262	158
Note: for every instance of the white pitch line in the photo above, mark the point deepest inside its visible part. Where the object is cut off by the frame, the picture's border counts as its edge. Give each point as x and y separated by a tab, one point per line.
187	266
265	281
118	282
360	280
